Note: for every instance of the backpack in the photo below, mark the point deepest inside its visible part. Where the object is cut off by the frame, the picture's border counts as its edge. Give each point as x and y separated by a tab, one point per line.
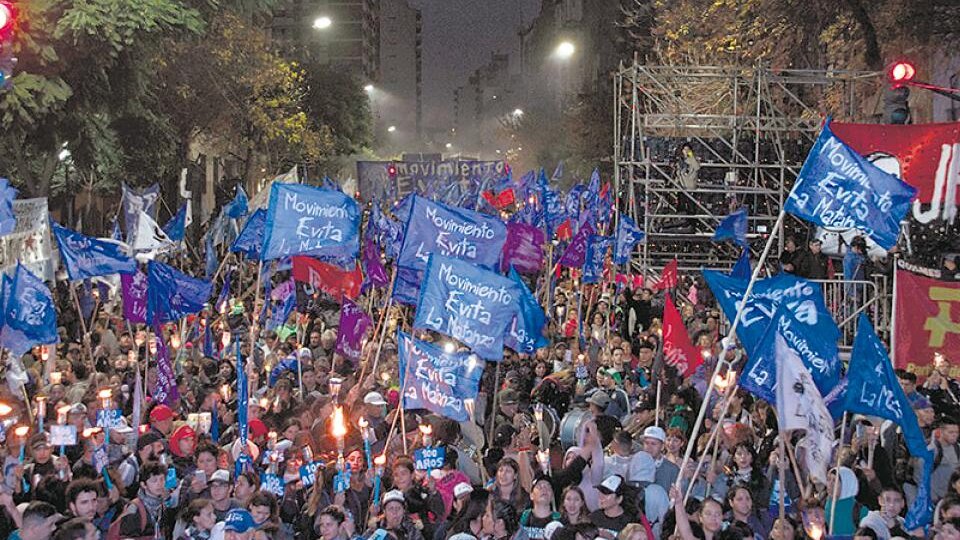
113	533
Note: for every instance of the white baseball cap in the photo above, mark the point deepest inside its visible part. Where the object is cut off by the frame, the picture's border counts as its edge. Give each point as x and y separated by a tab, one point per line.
462	489
393	495
655	432
374	398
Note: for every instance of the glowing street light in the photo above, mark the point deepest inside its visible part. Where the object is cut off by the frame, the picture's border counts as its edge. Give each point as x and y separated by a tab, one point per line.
565	50
518	112
449	145
322	23
368	88
391	129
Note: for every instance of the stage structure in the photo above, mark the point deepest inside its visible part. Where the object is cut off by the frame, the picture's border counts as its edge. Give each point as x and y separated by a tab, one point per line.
693	143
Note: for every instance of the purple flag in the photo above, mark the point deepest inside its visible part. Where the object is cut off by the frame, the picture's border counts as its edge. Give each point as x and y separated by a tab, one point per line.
576	253
283	291
374	274
167	392
134	289
523	248
353	326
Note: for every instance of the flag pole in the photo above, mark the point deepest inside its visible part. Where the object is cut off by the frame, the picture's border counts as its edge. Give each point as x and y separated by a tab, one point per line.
382	325
836	480
728	344
496	393
782	466
83	326
893	312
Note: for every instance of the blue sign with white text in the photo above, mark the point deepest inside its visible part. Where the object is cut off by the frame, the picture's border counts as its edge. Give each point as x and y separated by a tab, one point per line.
467	303
435	380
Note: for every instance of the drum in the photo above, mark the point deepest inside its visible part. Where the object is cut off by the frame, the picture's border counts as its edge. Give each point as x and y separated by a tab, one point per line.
551	421
570	427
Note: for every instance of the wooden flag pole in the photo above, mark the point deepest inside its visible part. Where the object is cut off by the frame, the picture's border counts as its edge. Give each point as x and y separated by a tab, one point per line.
836	480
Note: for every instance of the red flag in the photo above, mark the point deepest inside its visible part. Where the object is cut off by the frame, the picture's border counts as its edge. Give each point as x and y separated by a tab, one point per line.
670	277
565	230
927	321
678	350
605	190
327	277
501	201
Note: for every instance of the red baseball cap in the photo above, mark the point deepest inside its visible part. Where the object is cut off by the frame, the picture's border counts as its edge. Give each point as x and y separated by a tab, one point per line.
257	428
161	413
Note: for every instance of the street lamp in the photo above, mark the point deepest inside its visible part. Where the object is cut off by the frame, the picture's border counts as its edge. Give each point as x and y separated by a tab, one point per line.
565	50
368	88
449	145
518	112
391	129
322	23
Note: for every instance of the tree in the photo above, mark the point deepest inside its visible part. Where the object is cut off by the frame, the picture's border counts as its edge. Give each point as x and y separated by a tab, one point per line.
80	65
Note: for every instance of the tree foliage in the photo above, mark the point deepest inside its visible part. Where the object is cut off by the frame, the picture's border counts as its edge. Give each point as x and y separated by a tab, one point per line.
805	34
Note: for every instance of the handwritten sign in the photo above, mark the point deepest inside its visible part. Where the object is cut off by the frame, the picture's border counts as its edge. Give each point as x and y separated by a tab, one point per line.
308	473
63	435
272	483
112	418
429	458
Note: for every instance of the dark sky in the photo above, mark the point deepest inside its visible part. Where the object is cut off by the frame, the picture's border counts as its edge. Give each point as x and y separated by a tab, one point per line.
458	37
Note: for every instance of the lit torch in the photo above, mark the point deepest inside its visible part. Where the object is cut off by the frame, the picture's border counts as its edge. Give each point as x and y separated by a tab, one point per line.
21	433
41	411
339	431
378	463
365	433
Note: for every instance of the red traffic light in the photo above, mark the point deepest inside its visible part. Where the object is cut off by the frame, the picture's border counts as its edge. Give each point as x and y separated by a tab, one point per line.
6	17
392	169
901	72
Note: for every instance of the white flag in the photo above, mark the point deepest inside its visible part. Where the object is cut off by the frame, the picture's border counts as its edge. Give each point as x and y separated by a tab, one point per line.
150	236
800	407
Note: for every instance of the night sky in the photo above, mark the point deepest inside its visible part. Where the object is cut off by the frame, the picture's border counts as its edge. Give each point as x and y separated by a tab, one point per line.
458	37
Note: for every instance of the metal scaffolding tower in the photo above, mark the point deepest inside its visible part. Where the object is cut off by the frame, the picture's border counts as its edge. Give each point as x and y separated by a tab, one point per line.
693	143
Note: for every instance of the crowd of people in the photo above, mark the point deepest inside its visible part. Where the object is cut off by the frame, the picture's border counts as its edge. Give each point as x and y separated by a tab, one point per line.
584	439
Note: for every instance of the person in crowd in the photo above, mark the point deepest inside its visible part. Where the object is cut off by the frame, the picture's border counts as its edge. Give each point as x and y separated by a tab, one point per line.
38	522
199	518
535	519
812	263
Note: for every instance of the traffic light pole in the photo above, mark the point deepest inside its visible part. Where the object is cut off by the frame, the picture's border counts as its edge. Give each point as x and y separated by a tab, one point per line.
952	93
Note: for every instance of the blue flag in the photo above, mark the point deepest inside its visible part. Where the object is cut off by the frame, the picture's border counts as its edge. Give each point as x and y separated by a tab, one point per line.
208	349
214	424
803	297
176	227
304	220
239	206
172	295
167	391
597	248
628	235
327	183
440	382
819	356
741	270
115	233
525	334
873	389
29	315
210	257
250	239
221	304
450	232
467	303
387	231
87	257
243	427
733	228
838	188
8	221
573	202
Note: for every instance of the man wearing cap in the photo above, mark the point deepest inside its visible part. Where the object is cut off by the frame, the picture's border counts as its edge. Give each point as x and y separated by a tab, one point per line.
611	517
606	424
654	438
161	420
395	517
41	463
374	411
149	448
508	405
220	490
238	525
